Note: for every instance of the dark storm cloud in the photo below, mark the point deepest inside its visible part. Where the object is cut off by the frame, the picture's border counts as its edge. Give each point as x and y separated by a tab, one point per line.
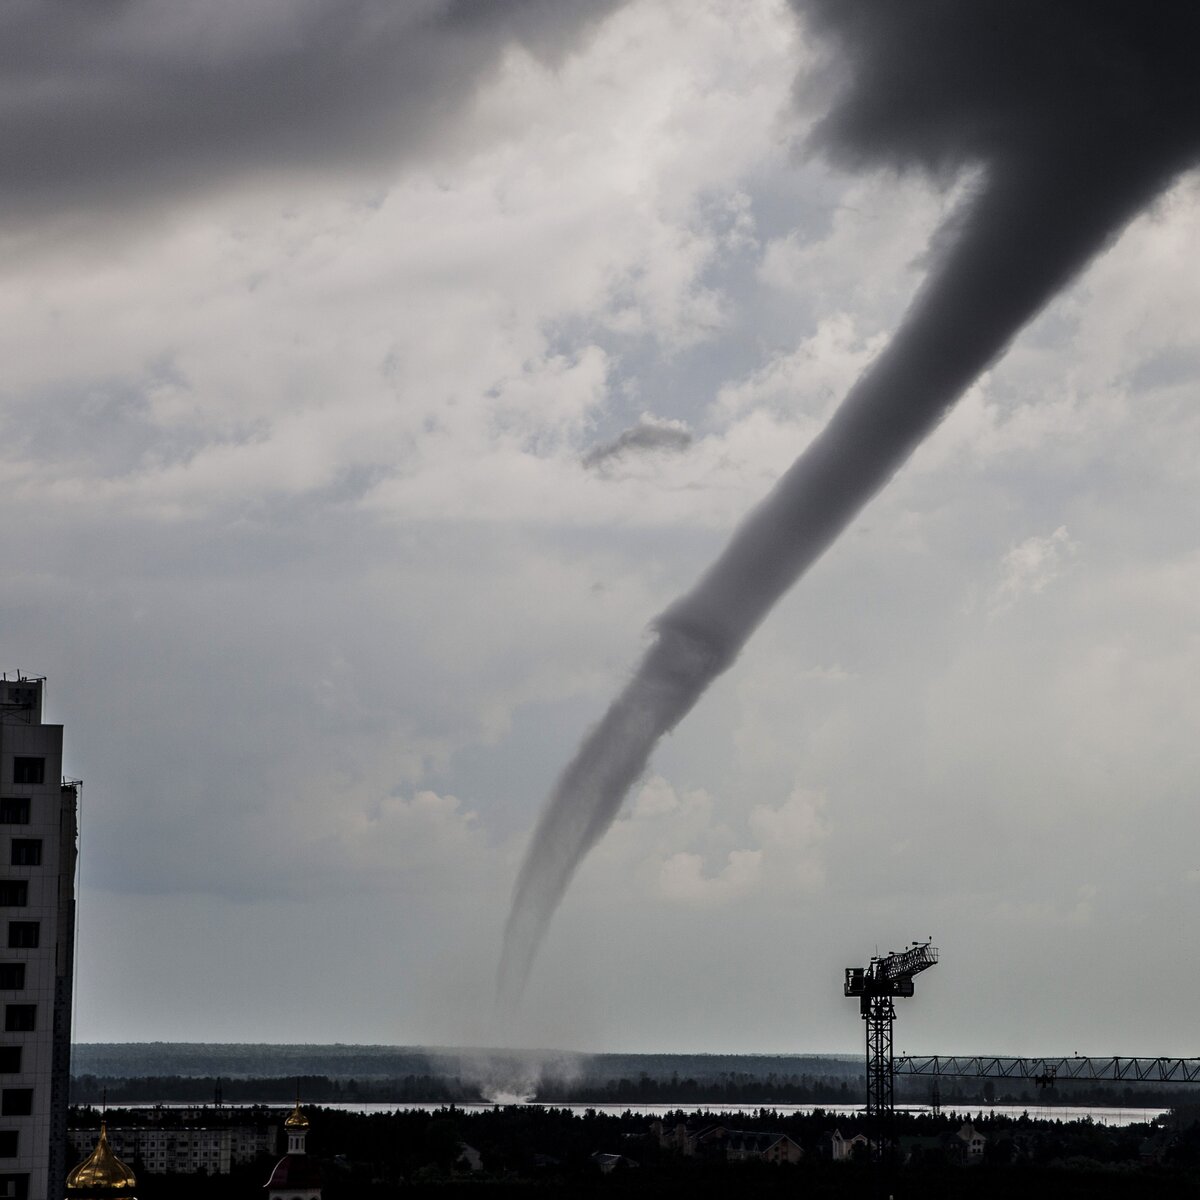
142	100
939	83
1076	115
647	436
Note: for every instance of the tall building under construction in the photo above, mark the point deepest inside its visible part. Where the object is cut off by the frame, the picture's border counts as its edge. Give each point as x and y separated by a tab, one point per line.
38	821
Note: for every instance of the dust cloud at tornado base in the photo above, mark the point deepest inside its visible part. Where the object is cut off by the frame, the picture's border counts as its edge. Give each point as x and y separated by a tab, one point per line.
1073	117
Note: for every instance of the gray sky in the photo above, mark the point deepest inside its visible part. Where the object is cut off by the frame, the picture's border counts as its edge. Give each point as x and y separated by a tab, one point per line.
374	376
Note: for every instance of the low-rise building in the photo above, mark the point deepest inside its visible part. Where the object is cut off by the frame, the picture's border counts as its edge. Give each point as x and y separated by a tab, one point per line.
964	1147
611	1162
972	1143
740	1145
165	1142
841	1149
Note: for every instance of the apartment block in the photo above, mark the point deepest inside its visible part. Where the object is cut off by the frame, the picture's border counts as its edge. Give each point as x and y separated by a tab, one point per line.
38	825
159	1146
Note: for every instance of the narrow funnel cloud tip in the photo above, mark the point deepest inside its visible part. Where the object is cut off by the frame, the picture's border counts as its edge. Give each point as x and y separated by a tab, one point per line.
676	670
1079	113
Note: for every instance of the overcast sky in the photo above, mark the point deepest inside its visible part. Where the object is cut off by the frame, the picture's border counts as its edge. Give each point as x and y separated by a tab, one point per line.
374	374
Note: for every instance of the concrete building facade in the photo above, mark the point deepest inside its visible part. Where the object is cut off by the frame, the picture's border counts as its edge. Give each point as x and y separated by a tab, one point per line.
38	827
159	1147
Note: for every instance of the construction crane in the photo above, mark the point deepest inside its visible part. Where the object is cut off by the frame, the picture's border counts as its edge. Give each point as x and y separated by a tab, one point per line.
1045	1072
876	986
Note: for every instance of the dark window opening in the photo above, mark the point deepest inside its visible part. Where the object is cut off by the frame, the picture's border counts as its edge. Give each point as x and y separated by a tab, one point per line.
20	1018
14	893
10	1060
29	770
14	810
8	1143
12	976
26	852
14	1187
24	935
16	1102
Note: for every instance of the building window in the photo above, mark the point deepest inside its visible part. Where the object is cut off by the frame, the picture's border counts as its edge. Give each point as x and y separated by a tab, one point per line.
14	1187
12	976
20	1018
14	810
14	893
24	935
26	852
29	770
16	1102
8	1143
10	1060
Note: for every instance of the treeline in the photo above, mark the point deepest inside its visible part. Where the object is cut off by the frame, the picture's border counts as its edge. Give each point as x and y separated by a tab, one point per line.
316	1089
442	1089
728	1089
523	1151
258	1116
262	1060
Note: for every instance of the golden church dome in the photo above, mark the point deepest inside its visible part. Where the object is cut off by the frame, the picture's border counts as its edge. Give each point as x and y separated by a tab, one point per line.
296	1119
102	1172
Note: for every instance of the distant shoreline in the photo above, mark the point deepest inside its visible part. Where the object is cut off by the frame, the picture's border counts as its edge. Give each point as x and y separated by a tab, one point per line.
251	1073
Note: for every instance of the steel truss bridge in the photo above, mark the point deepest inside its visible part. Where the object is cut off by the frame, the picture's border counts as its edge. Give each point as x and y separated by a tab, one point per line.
1047	1071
